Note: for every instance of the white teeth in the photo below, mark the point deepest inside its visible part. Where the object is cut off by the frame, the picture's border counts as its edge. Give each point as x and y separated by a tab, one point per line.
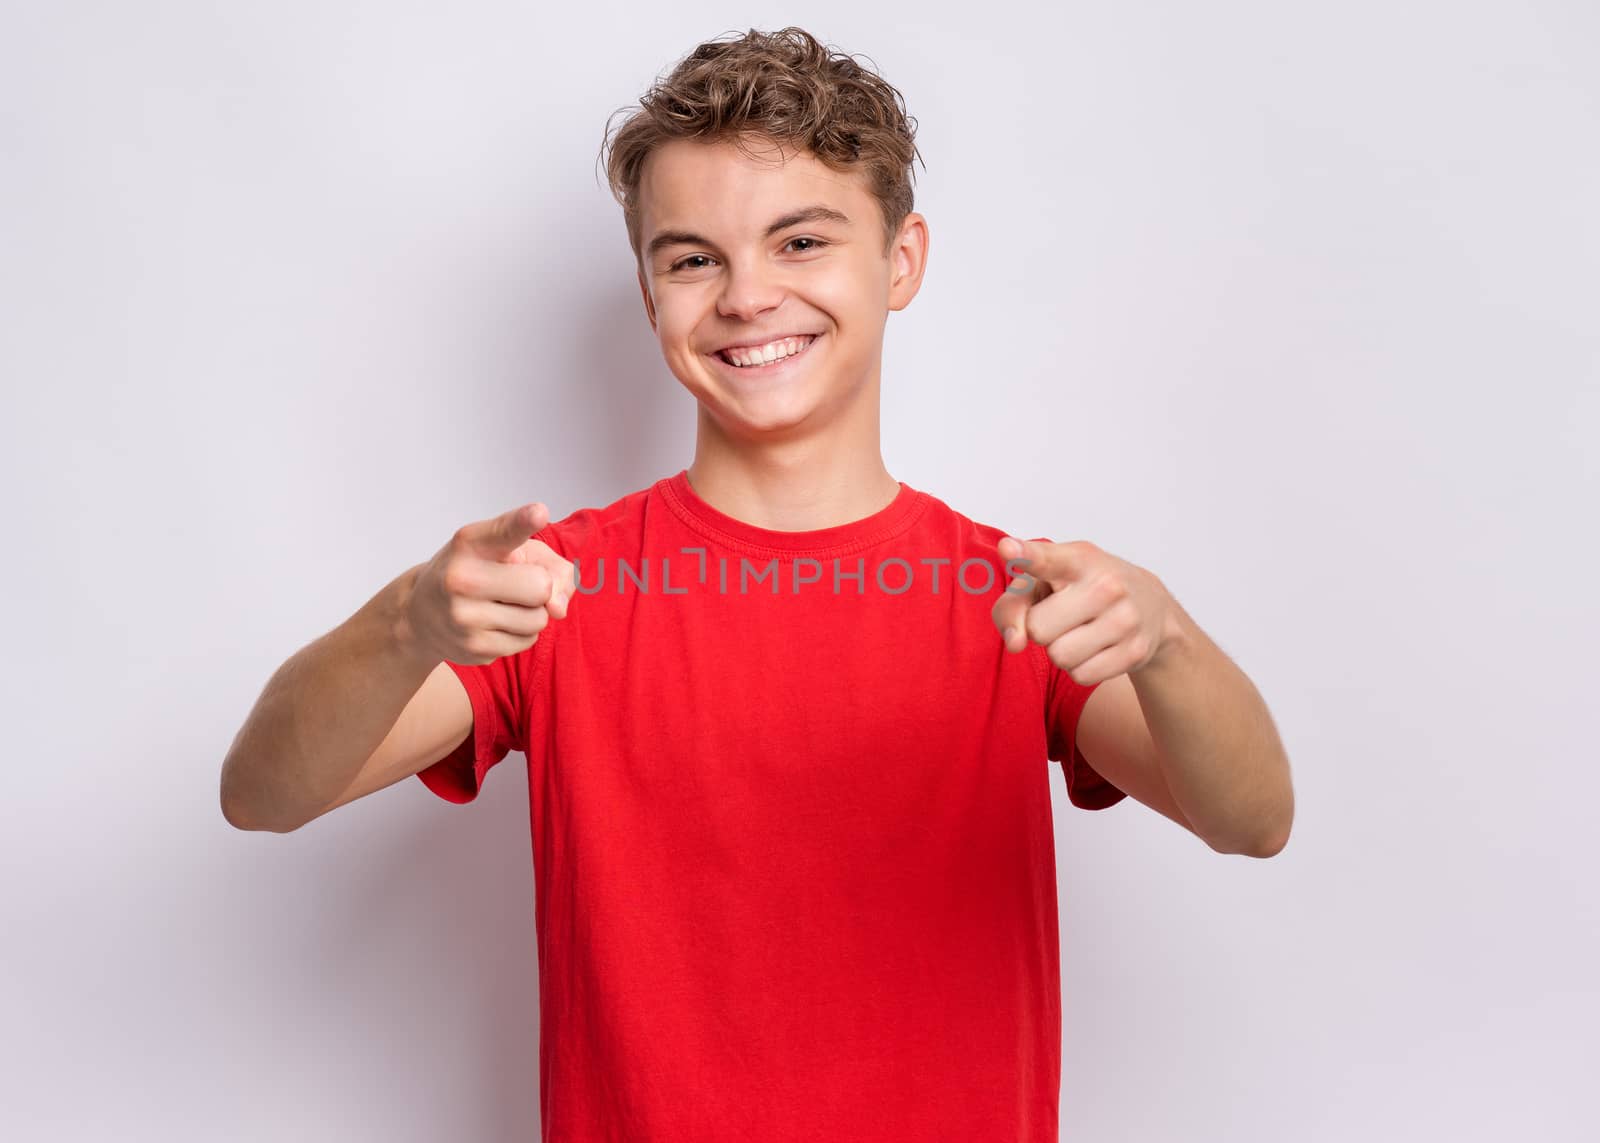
767	354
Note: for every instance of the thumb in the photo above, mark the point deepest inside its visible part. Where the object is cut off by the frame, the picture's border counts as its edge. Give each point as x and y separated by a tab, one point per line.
500	537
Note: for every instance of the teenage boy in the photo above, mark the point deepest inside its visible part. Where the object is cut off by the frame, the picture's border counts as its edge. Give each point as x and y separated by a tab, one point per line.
792	841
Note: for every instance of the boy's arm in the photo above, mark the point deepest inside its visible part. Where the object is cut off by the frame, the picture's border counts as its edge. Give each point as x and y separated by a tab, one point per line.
1115	740
356	710
1193	720
1180	727
376	699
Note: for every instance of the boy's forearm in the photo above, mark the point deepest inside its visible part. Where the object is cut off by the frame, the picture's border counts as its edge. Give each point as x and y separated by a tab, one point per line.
322	714
1220	751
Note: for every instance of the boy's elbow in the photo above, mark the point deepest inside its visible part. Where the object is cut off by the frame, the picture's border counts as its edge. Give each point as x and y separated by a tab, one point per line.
238	813
1271	846
1272	833
1264	842
1271	842
235	814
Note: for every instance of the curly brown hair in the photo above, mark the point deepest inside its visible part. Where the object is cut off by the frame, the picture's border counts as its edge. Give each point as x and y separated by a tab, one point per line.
784	87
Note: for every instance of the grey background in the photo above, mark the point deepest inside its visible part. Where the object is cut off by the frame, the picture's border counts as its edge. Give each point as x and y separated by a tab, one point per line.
1292	304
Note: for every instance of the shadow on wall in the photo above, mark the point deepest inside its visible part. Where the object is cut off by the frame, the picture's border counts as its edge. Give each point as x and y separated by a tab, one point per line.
426	933
449	886
608	416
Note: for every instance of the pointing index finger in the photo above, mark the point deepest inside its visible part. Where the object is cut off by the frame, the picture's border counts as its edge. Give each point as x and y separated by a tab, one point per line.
1040	558
499	537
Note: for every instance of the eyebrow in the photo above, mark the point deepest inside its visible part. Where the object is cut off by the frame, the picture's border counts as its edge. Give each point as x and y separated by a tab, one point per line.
817	212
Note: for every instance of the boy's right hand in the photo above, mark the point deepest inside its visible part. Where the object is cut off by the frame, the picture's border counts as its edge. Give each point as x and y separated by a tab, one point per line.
489	591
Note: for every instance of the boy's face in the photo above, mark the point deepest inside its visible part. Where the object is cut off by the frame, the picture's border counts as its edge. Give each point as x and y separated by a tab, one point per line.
713	276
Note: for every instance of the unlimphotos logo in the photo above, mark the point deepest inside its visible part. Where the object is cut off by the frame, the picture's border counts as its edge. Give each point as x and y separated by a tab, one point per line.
892	575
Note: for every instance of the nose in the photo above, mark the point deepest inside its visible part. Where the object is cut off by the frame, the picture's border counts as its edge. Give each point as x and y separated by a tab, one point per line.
750	288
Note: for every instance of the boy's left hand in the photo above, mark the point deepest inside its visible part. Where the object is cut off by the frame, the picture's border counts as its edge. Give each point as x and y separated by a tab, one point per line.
1096	615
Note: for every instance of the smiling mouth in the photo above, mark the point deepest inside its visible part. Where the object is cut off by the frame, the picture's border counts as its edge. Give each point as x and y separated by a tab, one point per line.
767	366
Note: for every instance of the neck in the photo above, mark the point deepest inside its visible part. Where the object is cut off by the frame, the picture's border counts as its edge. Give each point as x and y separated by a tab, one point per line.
796	484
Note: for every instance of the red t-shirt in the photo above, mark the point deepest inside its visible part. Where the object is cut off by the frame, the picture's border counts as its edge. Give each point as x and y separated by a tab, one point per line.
793	860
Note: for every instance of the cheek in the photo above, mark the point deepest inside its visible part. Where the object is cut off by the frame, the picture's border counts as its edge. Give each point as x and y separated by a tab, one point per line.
838	308
851	296
681	315
675	330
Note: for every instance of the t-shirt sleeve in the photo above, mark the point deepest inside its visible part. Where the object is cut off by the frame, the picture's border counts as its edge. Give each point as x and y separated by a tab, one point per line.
509	696
498	692
1064	702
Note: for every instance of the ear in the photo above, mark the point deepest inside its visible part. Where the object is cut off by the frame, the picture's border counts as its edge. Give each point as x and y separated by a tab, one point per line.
908	259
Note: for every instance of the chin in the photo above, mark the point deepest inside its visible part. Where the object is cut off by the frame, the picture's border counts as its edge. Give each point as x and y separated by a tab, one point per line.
776	416
758	412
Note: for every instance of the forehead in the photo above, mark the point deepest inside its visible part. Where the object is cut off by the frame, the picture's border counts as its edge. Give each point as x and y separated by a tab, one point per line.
716	187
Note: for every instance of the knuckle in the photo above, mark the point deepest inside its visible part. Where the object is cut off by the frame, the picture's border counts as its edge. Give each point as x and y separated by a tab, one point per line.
457	579
1110	588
